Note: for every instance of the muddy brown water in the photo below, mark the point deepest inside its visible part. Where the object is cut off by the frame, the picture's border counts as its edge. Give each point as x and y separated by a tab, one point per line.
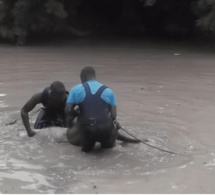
165	93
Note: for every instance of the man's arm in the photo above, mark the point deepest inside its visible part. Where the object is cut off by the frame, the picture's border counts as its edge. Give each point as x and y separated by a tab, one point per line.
120	136
113	112
71	114
36	99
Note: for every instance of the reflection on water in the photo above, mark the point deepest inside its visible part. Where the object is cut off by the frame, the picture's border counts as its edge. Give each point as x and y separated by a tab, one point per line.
2	97
3	105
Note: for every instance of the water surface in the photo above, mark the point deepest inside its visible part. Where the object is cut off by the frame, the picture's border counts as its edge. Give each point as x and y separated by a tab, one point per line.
165	93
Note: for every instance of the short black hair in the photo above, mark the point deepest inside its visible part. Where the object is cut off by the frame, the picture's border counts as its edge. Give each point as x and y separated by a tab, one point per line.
87	73
57	87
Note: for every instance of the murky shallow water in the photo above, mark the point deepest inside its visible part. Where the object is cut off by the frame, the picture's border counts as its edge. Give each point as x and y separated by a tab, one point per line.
164	93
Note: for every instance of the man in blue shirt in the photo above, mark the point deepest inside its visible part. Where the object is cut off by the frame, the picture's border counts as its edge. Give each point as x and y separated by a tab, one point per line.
94	105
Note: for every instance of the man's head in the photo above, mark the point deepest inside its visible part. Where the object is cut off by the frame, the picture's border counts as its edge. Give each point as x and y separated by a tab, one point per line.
57	93
87	73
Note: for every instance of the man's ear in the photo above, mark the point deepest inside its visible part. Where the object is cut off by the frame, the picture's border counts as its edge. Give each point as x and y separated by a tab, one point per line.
83	79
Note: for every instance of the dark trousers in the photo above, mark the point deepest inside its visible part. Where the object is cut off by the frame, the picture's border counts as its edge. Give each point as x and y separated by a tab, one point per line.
86	136
47	118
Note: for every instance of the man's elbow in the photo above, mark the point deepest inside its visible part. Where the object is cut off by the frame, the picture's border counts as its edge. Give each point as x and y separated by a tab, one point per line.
22	112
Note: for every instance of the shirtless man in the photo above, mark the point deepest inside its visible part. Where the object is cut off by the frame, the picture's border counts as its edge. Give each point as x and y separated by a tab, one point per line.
53	99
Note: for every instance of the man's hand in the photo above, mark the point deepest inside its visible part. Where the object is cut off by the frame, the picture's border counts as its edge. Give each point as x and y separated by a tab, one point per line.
31	134
118	126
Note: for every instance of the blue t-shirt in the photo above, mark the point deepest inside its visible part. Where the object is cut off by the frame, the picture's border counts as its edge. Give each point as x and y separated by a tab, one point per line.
77	93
